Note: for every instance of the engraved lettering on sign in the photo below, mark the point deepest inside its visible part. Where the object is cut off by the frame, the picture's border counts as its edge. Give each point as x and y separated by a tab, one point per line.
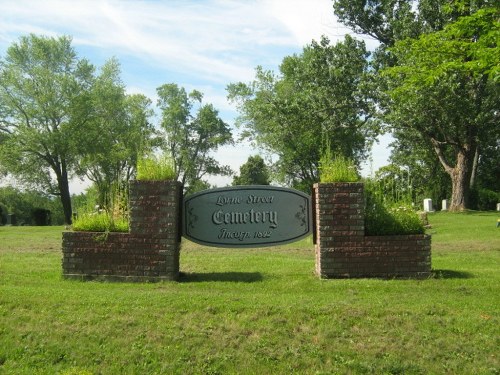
254	217
222	200
224	234
252	199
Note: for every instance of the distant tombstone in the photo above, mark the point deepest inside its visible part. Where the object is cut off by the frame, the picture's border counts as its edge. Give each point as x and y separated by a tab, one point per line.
445	205
428	205
11	219
498	206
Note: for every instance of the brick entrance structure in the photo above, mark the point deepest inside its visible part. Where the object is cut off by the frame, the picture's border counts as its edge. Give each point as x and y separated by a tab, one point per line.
342	249
149	252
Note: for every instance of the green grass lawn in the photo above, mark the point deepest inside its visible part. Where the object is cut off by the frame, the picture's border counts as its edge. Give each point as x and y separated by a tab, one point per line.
254	311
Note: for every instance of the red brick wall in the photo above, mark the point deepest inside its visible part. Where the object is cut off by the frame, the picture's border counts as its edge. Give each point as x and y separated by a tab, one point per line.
150	252
343	250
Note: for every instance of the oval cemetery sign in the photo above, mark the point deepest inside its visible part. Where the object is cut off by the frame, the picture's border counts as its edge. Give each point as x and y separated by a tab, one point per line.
247	216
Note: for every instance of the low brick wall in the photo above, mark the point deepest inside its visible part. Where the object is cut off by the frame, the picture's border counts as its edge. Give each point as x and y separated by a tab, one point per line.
150	252
342	249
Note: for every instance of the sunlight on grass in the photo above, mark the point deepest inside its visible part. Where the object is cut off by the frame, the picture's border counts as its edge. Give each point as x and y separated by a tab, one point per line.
251	311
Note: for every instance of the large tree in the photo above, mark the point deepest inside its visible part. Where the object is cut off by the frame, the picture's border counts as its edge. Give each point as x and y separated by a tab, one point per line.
393	21
192	134
445	90
319	98
44	101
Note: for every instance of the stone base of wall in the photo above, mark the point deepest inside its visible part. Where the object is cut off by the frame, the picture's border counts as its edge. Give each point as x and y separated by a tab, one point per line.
150	252
342	249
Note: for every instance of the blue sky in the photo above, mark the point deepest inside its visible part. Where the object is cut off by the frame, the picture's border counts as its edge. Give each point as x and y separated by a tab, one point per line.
201	45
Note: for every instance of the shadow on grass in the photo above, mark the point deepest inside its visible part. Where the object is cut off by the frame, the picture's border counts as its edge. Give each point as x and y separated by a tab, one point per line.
450	274
237	277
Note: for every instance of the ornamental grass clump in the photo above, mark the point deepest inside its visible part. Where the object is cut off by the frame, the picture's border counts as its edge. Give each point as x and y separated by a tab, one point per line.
155	168
100	222
336	168
103	212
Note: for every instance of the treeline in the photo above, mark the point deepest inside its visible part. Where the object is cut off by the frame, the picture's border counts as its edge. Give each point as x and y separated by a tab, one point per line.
433	83
29	208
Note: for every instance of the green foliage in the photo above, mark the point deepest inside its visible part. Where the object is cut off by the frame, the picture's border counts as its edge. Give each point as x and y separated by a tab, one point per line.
44	105
320	96
118	132
155	168
484	199
387	217
192	135
27	205
99	222
253	172
337	168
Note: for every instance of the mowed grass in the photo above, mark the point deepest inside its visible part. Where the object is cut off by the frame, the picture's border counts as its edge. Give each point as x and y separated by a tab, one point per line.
254	311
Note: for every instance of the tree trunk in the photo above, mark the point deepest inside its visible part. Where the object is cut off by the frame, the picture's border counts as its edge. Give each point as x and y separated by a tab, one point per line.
474	169
460	180
65	196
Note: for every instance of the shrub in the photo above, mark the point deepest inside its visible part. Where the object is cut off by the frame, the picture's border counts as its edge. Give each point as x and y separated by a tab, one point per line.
155	168
487	199
99	222
336	169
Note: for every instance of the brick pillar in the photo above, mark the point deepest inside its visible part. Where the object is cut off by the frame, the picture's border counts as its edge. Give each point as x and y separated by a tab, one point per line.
155	225
340	227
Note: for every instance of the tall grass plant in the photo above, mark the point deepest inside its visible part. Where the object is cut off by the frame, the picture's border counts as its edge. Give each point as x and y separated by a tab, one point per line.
386	216
336	168
156	168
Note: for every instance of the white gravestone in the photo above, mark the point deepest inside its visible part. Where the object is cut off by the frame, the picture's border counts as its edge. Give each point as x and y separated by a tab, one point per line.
498	206
428	205
445	205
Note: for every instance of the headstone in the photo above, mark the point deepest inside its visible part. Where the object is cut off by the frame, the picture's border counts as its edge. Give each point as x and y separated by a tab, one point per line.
11	219
445	205
498	206
428	205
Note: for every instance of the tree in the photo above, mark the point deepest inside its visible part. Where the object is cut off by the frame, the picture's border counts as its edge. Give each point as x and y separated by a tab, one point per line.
253	172
117	134
44	101
320	98
445	90
192	135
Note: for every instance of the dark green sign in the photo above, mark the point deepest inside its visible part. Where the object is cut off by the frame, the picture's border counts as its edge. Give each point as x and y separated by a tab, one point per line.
247	216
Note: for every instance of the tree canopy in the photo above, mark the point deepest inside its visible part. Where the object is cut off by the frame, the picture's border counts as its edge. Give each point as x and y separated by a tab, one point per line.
320	97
